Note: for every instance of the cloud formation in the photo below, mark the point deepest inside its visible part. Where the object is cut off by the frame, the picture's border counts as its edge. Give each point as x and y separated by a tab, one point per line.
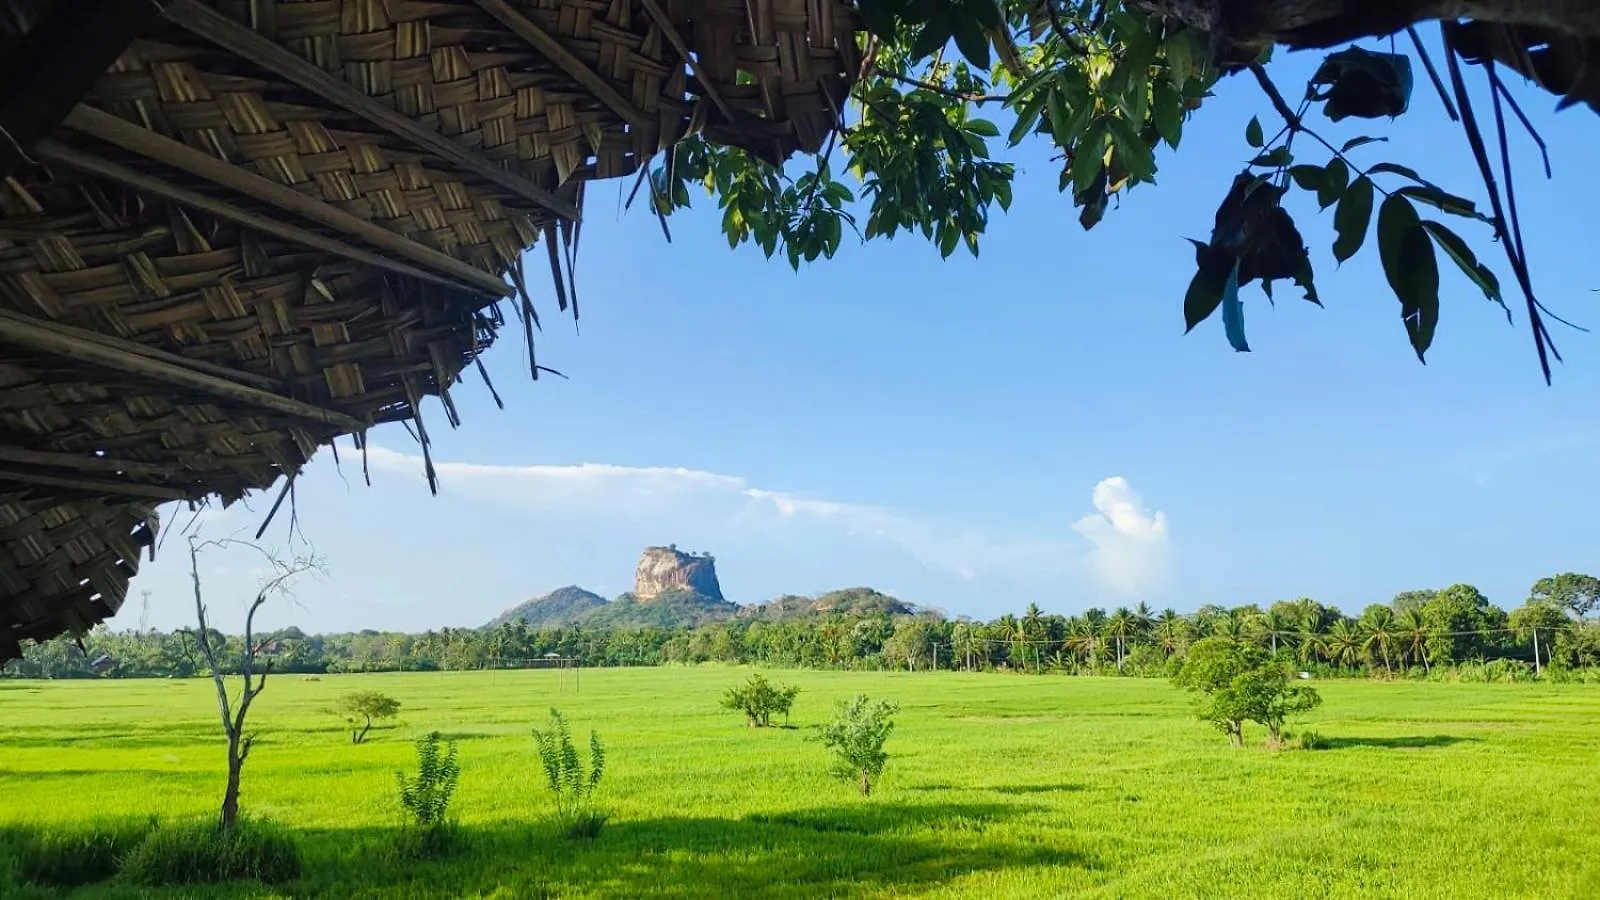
1130	547
1126	547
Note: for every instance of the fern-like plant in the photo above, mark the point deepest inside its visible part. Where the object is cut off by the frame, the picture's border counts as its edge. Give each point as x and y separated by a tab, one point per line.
571	787
426	797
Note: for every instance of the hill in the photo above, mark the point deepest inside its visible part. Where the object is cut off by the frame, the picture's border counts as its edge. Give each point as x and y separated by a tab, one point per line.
562	606
857	601
668	609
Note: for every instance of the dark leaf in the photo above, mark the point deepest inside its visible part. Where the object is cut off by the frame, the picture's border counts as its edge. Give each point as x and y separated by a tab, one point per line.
1028	117
1252	133
1135	154
1411	269
1450	203
1335	178
986	12
1309	178
982	128
1351	219
1090	157
933	36
879	17
1275	158
1205	289
1458	251
1361	83
970	38
1361	141
1167	113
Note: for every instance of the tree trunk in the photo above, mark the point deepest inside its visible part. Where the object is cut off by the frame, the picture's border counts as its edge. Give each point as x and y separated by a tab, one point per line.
1537	671
1235	734
363	734
1328	22
230	795
866	785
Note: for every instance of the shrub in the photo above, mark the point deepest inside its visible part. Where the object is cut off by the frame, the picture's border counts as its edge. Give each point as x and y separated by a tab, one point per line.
1238	683
69	857
426	798
362	708
205	854
759	698
430	842
571	787
1306	740
856	736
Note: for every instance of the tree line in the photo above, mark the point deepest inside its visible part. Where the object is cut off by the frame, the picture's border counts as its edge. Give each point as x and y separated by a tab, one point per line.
1422	633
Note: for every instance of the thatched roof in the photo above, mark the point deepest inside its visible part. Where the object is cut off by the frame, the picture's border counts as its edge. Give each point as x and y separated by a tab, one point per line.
234	230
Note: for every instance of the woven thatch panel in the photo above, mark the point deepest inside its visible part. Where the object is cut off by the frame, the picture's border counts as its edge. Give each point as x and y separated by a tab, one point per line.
272	223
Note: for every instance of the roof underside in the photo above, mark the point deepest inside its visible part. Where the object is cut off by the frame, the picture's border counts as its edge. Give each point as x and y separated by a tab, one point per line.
268	224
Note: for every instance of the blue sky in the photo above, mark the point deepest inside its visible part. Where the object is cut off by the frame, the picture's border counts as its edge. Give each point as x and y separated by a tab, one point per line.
977	434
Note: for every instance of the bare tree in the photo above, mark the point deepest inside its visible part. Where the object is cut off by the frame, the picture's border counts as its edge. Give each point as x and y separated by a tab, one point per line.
234	709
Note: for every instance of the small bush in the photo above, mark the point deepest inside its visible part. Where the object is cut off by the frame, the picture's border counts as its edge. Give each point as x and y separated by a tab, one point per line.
69	857
570	786
205	854
1306	740
758	699
426	798
856	737
428	842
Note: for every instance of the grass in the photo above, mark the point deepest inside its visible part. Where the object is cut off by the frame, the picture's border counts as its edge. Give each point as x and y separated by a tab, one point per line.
997	786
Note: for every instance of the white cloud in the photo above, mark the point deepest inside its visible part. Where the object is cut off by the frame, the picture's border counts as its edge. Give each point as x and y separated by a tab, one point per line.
1130	547
1126	552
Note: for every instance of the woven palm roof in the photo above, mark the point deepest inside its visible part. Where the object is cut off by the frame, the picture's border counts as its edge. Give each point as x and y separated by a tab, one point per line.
234	230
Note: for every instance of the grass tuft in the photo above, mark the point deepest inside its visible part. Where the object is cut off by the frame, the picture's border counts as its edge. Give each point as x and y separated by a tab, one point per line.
76	856
200	853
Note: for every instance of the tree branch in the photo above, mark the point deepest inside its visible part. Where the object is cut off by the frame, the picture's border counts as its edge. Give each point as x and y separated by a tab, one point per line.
970	97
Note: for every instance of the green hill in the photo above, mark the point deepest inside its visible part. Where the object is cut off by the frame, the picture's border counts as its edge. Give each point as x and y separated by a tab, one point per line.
562	606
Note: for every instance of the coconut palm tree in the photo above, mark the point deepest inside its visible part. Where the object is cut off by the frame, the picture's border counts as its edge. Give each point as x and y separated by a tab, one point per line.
1382	632
1081	638
1343	644
1119	627
1171	632
1227	625
1033	627
1414	633
1009	628
1272	629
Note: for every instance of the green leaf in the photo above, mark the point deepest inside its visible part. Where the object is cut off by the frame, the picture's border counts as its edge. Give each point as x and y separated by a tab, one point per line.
982	127
1028	116
1167	113
1132	150
1180	56
1089	158
1411	269
1351	218
949	237
879	17
1361	141
1450	203
1275	158
933	36
1458	251
1335	178
1252	133
1309	178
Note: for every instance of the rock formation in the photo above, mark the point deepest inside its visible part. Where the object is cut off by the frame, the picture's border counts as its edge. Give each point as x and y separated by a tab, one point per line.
669	570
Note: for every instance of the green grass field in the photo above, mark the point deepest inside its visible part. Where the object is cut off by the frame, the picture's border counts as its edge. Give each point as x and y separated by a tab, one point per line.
998	786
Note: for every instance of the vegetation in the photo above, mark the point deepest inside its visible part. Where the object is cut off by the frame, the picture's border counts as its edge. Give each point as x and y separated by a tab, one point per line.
202	853
856	736
1103	786
425	797
759	698
1418	634
68	857
1108	87
1238	682
571	788
363	708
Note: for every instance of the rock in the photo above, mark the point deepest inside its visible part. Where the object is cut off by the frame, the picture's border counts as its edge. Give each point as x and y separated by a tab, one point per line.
669	570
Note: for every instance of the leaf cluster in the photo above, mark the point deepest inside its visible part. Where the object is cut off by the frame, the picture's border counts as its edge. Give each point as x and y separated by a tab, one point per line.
426	796
570	784
856	736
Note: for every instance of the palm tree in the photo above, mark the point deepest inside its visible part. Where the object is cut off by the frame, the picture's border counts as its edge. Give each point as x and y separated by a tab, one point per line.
1344	643
1271	627
1119	626
963	642
1009	629
1143	620
1414	635
1226	625
1382	632
1034	631
1171	630
1081	638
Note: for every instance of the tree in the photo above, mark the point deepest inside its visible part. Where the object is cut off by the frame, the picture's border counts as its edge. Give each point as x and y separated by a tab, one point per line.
1382	631
856	736
1457	619
1105	84
426	797
1534	617
1237	682
233	710
1579	595
758	699
362	708
1120	627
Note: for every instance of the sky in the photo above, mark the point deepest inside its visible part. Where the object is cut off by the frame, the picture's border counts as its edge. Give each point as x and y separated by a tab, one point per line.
978	434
